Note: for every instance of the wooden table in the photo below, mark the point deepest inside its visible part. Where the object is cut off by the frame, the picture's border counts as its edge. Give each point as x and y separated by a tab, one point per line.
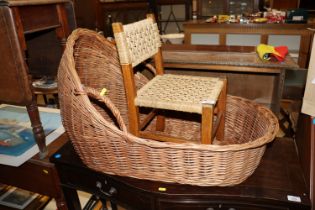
263	30
278	176
19	18
247	75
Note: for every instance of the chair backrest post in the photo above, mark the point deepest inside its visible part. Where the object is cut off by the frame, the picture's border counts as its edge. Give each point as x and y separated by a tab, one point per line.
158	59
150	15
130	88
131	94
117	27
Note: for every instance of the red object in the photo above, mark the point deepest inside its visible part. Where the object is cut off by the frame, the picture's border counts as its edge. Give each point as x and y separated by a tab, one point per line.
283	51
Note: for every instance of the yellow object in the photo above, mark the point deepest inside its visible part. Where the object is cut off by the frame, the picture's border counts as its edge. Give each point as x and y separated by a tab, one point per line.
260	20
103	91
264	51
223	18
162	189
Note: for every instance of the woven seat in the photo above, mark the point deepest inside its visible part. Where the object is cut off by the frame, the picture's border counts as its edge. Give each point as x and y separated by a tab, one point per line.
180	93
140	41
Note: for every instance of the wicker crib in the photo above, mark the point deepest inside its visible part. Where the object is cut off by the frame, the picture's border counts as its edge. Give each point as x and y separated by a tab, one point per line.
97	125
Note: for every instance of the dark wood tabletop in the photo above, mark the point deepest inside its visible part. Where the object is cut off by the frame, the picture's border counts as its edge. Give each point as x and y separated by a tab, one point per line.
275	184
244	56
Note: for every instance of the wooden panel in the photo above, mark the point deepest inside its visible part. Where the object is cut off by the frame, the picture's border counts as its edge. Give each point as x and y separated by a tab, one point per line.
284	4
94	14
39	17
211	205
14	85
305	140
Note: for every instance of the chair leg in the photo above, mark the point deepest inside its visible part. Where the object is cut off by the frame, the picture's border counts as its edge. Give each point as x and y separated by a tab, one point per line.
133	110
56	99
38	130
206	124
45	99
222	109
160	123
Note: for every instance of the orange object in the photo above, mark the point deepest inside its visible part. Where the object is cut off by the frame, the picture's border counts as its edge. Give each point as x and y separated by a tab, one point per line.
282	52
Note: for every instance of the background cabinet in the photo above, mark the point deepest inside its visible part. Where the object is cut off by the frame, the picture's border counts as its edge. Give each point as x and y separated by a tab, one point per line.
215	7
94	14
284	4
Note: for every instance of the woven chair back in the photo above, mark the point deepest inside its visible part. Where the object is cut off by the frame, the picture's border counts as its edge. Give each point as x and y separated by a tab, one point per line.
138	41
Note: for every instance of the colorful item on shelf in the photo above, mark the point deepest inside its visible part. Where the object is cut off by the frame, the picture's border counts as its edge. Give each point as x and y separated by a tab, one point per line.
223	18
212	19
282	51
260	20
275	16
267	52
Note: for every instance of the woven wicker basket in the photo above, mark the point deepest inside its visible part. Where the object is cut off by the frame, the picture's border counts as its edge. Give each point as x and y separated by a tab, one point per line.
98	131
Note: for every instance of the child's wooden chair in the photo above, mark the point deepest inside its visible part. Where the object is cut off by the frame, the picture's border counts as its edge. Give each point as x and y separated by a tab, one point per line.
139	41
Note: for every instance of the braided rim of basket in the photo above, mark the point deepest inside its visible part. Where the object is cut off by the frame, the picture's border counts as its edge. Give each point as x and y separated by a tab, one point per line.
268	137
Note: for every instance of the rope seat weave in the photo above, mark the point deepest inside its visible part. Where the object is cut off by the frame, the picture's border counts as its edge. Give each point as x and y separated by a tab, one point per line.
180	93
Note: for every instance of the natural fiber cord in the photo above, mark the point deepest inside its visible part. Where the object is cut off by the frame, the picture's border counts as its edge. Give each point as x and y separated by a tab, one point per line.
138	42
179	93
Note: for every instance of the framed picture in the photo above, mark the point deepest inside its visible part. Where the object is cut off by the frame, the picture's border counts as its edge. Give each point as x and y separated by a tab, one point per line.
17	198
17	141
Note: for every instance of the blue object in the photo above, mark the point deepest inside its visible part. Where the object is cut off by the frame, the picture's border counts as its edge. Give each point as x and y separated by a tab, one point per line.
57	155
15	139
313	121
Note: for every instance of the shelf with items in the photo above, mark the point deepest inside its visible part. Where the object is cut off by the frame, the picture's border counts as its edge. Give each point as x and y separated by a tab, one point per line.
206	8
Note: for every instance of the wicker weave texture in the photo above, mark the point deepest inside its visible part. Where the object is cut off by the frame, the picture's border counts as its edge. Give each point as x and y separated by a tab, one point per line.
104	144
138	42
179	93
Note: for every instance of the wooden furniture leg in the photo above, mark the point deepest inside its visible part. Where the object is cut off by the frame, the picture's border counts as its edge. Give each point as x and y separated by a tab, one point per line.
38	130
221	111
206	124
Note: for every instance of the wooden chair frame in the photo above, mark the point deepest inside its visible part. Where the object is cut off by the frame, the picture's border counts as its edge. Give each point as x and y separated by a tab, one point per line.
208	129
